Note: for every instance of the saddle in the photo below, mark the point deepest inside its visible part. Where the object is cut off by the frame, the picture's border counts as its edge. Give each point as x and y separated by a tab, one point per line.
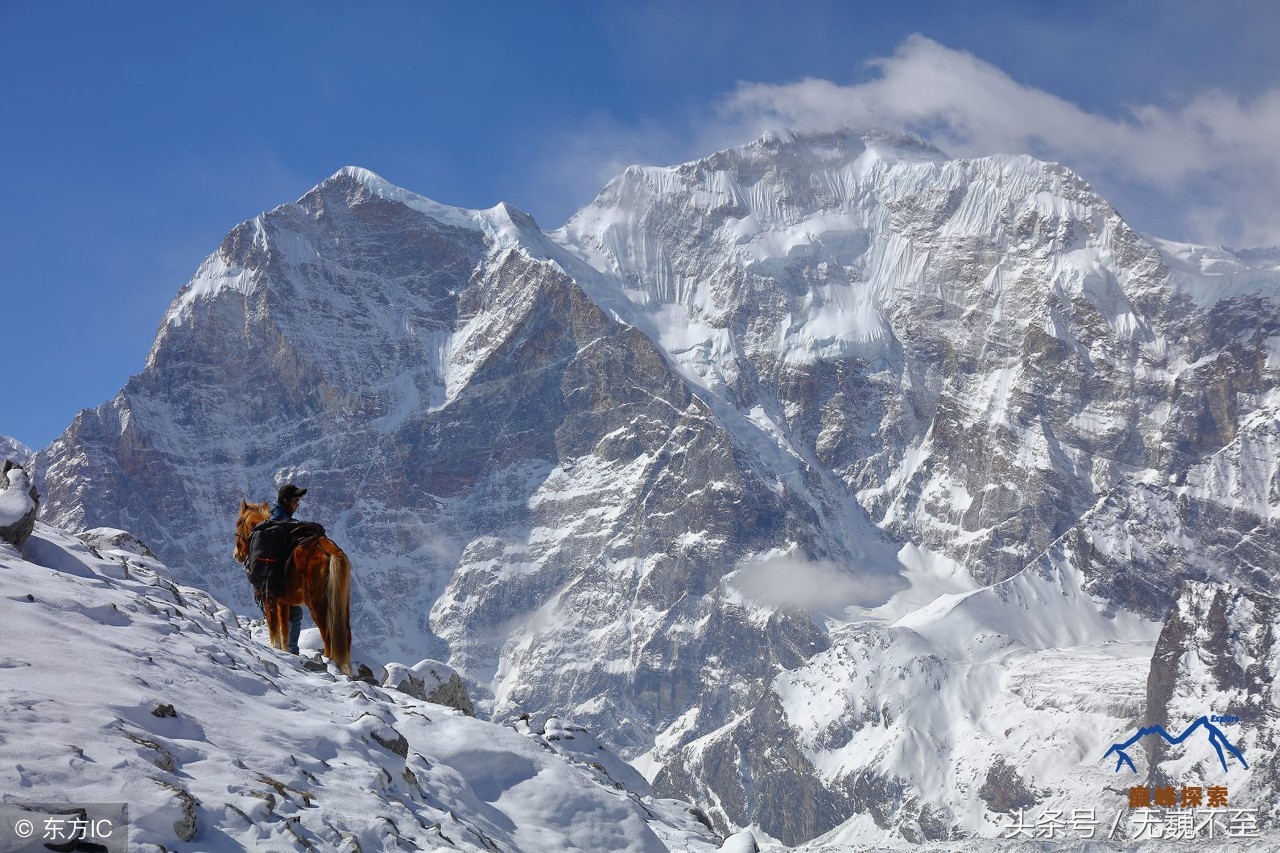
271	546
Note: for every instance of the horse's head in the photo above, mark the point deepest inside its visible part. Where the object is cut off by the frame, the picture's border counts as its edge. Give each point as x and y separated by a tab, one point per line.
250	516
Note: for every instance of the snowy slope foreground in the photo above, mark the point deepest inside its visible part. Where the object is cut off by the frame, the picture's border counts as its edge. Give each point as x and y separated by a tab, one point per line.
826	464
120	686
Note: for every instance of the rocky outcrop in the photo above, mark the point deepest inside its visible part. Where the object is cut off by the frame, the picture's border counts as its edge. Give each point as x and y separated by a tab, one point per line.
775	786
430	681
1218	657
1005	790
107	538
19	504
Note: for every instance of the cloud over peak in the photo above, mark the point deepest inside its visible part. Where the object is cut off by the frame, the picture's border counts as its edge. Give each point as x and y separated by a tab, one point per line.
1206	170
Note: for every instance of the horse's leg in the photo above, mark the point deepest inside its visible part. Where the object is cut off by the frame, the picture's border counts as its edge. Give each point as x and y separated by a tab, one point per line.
278	622
280	640
269	613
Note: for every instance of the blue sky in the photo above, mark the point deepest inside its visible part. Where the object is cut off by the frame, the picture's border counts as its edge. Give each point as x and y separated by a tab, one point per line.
137	134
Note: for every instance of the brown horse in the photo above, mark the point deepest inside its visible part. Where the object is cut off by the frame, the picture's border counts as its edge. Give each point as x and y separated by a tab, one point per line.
320	577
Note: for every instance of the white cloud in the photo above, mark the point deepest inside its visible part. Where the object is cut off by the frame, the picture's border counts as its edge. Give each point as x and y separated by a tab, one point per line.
816	586
1209	168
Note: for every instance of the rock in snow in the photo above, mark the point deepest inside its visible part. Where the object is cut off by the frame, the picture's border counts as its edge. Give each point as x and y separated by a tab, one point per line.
19	503
430	681
824	464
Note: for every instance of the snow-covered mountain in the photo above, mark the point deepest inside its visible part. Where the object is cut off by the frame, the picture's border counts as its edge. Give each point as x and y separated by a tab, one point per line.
826	464
122	686
11	448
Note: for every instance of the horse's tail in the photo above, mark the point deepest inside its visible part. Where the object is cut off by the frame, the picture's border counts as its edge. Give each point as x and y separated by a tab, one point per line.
339	615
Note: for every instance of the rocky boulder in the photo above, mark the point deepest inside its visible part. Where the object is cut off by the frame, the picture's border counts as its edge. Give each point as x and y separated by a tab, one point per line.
111	539
19	503
430	681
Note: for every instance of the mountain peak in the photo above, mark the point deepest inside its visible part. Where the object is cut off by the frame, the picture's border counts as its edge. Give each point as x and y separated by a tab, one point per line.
11	448
357	182
361	175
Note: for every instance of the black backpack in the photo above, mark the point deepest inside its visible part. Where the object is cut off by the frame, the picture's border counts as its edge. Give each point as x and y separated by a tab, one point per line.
269	545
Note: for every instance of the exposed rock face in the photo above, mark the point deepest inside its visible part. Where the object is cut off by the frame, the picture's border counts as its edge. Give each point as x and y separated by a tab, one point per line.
1218	657
453	693
744	781
946	337
1005	790
745	432
19	504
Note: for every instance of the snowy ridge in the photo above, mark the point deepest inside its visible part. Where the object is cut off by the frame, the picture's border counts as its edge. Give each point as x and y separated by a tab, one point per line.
1211	274
11	448
121	685
256	241
1244	475
381	188
832	200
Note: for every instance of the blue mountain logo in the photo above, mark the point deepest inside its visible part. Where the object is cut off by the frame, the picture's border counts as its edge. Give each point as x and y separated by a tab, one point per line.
1220	742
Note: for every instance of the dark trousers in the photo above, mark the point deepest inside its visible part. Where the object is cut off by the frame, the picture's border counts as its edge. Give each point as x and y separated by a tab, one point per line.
295	627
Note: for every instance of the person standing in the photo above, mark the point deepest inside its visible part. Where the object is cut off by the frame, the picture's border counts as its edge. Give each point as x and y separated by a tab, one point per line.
288	500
